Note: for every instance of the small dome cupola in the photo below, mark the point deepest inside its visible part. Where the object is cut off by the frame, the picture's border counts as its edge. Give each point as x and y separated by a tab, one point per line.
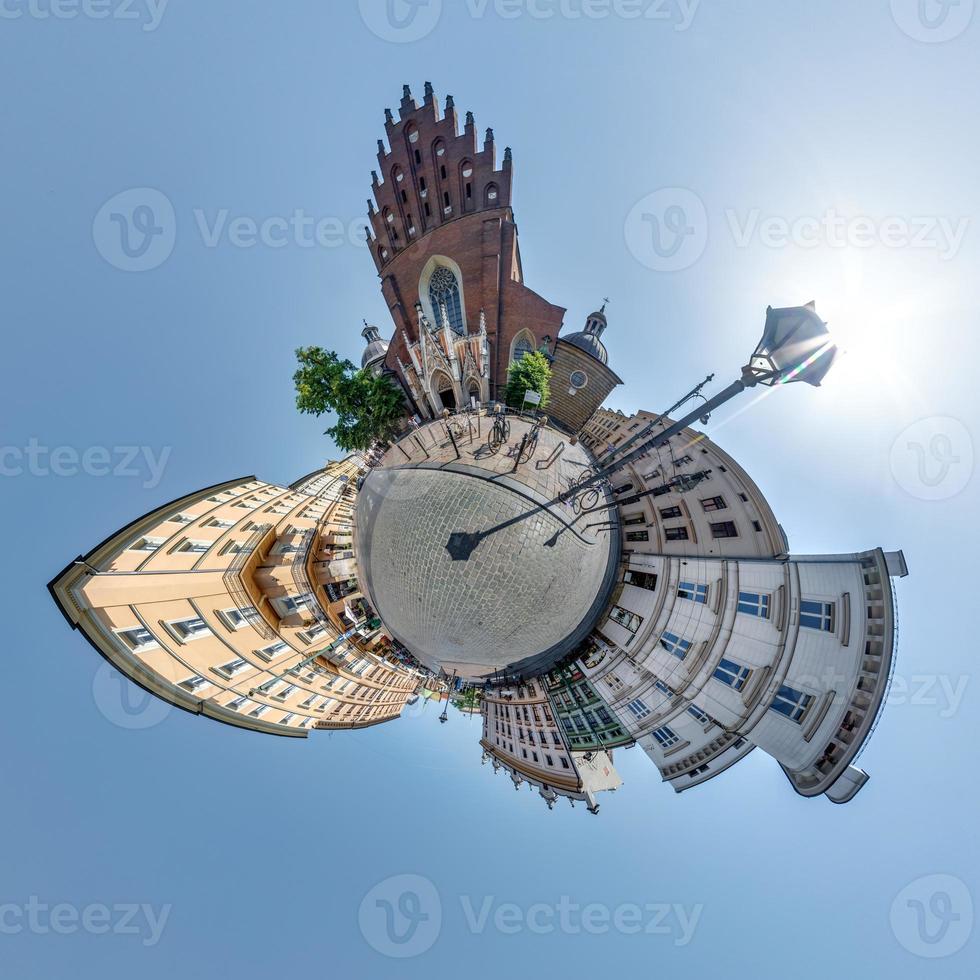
376	347
596	322
588	339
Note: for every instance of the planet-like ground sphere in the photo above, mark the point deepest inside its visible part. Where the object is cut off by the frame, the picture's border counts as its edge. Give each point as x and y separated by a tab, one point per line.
476	567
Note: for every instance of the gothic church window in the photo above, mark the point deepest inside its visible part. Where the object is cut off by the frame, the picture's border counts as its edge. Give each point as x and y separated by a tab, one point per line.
522	347
444	291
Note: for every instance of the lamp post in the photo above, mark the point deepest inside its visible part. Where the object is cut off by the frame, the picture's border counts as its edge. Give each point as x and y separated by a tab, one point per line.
444	717
795	346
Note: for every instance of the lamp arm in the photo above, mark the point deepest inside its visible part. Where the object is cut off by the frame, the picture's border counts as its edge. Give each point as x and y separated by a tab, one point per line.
735	388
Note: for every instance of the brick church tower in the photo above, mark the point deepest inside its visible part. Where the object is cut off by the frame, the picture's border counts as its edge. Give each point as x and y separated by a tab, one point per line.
445	244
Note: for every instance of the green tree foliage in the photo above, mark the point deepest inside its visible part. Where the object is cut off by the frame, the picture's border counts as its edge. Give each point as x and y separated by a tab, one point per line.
369	409
531	373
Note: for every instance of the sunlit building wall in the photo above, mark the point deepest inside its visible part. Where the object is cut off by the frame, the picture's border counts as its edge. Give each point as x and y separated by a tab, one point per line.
234	602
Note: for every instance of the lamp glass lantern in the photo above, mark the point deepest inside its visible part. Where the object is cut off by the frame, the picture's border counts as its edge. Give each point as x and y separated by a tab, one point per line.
795	346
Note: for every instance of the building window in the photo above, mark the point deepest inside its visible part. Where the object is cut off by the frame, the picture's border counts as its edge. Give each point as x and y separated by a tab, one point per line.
666	737
189	629
638	709
695	712
676	533
675	645
147	544
615	684
714	503
754	604
628	620
693	592
632	519
193	683
522	346
182	519
724	529
642	580
817	615
138	638
237	619
664	689
444	292
732	674
233	667
791	703
194	547
637	535
273	650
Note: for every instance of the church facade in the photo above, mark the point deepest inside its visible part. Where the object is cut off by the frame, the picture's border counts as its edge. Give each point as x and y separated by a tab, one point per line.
444	240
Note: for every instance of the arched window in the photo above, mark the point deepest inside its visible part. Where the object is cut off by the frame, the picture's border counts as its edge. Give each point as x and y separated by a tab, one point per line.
492	193
466	184
522	346
444	291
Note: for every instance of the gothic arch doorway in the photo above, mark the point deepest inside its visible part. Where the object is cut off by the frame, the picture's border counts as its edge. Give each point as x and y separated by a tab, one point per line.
444	392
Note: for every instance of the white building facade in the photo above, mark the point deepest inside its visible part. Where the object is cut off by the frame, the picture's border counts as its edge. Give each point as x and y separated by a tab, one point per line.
522	737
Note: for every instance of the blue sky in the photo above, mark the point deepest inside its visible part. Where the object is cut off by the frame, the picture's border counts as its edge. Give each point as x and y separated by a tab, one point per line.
819	151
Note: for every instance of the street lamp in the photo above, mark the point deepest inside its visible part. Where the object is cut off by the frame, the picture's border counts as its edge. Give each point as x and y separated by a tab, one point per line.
795	346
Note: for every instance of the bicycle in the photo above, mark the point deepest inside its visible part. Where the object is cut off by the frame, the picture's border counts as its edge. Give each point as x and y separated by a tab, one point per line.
500	432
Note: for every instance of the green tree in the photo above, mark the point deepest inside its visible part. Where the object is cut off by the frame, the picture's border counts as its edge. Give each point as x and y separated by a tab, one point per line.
531	373
369	409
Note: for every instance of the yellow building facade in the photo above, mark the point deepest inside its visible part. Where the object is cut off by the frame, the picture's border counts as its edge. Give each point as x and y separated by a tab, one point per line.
241	602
